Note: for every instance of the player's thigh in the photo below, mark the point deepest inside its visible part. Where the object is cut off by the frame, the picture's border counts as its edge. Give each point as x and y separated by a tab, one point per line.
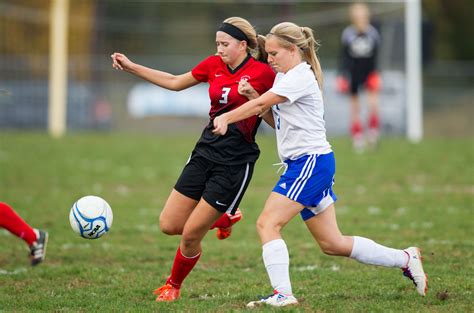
326	232
200	221
278	211
176	211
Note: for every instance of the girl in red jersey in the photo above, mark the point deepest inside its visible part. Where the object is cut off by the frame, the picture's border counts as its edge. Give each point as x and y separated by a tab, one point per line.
213	182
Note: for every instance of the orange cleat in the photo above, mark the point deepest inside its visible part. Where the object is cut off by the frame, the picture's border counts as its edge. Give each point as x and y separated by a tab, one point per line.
223	233
166	293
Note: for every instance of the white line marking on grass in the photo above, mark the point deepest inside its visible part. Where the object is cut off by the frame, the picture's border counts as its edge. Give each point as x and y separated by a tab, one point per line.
452	210
122	190
146	228
401	211
417	188
360	190
68	246
373	210
343	209
450	242
427	225
306	268
14	272
97	188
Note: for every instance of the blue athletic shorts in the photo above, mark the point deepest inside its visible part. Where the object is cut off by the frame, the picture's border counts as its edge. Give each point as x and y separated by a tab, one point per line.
308	180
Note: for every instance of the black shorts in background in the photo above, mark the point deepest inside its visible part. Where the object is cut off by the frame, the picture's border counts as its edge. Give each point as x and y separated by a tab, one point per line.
222	186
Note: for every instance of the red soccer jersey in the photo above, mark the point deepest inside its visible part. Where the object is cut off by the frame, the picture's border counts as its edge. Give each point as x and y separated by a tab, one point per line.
223	85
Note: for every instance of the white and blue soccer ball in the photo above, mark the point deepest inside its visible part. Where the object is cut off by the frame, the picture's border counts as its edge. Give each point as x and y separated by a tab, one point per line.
91	217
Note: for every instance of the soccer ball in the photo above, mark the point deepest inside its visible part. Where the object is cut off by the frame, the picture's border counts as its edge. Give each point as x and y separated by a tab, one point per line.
91	217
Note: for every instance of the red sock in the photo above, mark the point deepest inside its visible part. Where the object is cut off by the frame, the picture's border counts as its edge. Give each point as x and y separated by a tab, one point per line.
15	224
182	266
374	122
222	222
356	129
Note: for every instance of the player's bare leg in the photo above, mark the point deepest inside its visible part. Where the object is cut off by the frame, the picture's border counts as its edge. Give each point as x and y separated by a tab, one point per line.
189	250
326	232
373	134
278	211
176	212
357	130
324	229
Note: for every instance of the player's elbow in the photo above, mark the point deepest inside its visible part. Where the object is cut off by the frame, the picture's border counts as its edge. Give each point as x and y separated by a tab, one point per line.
173	86
170	82
260	108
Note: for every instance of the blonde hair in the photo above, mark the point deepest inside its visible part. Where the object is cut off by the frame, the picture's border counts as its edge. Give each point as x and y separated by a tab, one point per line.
302	37
256	43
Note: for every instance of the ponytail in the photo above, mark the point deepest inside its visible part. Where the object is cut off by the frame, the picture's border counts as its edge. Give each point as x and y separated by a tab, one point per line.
260	54
310	55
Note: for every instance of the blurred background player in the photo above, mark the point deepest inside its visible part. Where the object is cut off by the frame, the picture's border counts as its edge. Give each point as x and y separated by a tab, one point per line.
36	239
214	180
360	44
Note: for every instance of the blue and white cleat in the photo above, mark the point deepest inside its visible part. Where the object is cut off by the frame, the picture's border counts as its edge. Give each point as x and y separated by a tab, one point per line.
277	300
414	270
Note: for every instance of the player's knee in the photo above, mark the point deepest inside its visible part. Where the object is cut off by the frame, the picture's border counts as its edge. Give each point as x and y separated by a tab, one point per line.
328	249
189	240
169	228
337	247
265	225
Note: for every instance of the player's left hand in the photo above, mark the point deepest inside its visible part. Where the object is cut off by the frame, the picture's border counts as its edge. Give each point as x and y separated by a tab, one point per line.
220	125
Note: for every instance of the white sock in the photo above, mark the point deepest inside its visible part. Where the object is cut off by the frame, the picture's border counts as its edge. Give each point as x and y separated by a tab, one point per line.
369	252
277	263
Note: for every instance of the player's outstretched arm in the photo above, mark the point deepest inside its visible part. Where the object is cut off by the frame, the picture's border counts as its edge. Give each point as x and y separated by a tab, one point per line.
160	78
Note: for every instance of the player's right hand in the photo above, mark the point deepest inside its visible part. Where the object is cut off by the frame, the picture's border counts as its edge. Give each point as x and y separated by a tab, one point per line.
121	62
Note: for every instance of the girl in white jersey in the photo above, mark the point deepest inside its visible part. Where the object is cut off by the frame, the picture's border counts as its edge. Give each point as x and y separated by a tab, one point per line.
305	187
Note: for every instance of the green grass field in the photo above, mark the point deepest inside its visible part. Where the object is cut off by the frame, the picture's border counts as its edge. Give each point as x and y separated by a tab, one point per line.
401	195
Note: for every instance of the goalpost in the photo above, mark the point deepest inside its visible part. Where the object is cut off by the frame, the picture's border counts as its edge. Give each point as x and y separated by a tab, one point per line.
58	68
413	70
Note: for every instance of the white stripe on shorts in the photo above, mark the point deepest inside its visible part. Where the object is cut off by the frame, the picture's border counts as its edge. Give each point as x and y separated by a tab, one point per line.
231	207
300	182
296	180
312	166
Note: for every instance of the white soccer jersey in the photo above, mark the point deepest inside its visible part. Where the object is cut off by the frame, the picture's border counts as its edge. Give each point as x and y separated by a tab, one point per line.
299	122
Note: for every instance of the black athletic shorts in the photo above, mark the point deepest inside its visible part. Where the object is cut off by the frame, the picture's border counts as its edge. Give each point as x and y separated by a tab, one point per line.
222	186
358	79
